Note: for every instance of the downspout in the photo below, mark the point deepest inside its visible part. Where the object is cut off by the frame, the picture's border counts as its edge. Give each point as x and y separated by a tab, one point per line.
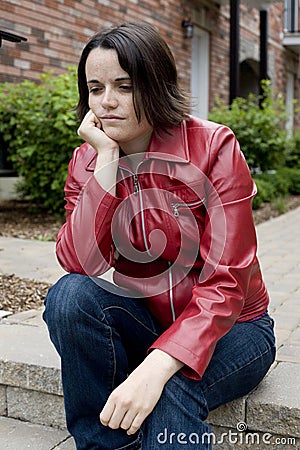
263	64
234	88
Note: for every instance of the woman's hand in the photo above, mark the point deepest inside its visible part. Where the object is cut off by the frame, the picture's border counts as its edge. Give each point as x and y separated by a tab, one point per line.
133	400
107	149
90	130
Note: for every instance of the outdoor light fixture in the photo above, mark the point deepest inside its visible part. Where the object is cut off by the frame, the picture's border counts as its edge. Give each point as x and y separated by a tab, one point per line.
7	36
188	29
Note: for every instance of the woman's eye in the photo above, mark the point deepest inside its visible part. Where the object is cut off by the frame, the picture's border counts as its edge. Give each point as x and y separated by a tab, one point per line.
95	90
126	87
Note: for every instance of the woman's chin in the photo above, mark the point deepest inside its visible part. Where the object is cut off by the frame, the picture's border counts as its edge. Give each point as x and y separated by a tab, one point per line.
113	134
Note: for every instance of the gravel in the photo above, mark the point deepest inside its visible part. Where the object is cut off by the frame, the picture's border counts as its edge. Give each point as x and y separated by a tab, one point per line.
19	219
21	294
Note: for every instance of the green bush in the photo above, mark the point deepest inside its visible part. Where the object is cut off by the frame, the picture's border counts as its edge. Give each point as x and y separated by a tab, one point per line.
276	185
260	129
279	182
38	126
293	159
265	192
292	176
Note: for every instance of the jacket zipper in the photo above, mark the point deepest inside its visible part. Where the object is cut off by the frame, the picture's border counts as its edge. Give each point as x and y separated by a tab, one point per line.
176	206
171	292
136	185
138	191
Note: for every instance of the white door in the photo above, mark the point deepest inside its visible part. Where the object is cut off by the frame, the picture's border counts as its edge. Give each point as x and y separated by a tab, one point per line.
200	73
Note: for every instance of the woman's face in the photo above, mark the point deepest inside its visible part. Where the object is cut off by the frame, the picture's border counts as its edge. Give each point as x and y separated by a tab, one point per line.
111	100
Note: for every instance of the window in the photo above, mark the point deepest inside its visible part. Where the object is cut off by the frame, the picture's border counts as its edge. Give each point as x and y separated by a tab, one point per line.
291	16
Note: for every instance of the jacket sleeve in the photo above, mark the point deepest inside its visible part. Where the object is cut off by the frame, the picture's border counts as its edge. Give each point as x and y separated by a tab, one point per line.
84	242
228	248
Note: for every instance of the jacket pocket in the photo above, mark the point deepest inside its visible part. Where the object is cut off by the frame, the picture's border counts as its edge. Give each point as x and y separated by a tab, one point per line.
181	205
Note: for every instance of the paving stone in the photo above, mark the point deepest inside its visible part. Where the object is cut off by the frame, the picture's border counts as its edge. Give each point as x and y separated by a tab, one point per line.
4	313
285	321
289	353
3	405
13	373
28	376
35	407
69	444
274	406
294	338
229	415
270	278
16	435
276	298
31	317
38	261
284	286
44	379
291	307
282	336
287	312
27	344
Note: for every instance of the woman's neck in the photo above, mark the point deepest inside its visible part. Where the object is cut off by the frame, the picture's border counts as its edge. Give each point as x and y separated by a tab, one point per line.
138	145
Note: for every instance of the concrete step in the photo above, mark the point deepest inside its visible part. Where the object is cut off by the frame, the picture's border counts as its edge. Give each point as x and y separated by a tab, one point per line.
30	386
17	435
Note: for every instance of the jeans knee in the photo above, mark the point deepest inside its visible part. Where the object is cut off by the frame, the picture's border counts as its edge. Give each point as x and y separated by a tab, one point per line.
66	299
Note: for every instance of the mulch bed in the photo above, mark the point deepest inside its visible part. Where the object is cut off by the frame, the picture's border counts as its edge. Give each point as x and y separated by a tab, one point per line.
19	219
21	294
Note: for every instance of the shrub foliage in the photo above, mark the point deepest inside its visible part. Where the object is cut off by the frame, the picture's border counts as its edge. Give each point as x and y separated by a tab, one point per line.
260	128
276	184
38	127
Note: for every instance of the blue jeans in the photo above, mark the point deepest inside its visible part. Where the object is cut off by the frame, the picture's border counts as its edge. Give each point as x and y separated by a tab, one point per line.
101	336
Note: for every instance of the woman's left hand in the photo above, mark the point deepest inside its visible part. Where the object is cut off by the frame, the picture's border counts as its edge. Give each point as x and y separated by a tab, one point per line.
133	400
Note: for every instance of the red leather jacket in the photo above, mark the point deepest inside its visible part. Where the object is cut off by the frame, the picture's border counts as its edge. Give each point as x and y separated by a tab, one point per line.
179	234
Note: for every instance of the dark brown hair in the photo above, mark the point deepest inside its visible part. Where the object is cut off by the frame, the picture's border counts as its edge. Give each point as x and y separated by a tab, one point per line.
147	59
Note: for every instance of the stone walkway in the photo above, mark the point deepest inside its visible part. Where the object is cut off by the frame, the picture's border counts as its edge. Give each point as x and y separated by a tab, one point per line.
279	253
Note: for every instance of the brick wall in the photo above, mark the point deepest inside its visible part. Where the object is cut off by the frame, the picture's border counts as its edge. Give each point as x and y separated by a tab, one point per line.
57	31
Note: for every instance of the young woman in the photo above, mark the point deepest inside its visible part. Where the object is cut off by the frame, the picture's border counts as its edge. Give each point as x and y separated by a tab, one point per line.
164	199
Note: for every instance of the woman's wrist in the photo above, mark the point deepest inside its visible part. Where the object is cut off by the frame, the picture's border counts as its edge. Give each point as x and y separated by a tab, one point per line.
163	363
106	170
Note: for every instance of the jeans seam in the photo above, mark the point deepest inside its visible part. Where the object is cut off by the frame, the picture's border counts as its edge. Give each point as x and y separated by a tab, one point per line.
137	320
114	359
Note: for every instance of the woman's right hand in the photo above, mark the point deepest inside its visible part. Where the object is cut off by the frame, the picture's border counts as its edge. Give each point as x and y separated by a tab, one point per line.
90	130
107	149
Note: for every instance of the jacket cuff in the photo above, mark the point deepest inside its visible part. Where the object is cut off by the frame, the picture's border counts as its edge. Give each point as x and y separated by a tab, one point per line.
192	368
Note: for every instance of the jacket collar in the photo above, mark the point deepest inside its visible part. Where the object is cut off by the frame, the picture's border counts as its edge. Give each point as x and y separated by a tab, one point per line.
168	147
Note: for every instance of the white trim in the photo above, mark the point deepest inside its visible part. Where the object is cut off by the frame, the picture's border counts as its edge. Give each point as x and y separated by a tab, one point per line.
200	73
289	102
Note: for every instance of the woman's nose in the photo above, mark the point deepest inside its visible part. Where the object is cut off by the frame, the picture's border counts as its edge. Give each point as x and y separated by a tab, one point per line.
109	99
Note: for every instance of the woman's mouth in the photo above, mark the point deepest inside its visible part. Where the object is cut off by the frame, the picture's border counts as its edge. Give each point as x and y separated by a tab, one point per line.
111	118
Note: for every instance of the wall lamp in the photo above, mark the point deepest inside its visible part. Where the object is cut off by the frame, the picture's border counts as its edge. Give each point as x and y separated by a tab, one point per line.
6	35
188	29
